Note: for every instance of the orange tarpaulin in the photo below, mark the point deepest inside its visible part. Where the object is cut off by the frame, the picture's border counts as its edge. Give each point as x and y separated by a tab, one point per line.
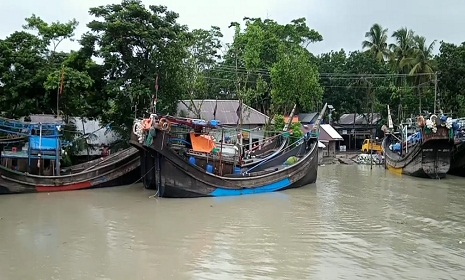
202	143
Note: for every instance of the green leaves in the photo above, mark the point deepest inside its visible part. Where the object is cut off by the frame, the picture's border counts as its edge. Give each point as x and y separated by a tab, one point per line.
295	80
451	67
260	65
136	44
53	33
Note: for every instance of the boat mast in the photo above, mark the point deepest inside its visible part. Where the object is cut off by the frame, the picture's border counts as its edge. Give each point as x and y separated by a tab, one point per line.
390	124
316	126
289	121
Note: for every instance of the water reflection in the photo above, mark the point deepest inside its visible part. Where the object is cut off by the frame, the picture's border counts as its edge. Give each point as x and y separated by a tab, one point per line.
356	222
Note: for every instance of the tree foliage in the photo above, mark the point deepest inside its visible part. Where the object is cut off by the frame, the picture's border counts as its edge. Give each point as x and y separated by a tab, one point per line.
138	43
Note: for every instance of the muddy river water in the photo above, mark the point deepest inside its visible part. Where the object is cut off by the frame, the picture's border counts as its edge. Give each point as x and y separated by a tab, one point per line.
355	223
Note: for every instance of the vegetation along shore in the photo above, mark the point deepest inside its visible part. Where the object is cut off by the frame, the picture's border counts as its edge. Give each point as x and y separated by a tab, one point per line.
130	50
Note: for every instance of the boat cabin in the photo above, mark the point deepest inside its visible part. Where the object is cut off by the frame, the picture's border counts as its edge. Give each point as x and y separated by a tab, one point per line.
37	152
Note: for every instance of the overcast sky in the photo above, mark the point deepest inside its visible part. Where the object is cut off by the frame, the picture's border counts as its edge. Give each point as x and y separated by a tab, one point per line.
342	23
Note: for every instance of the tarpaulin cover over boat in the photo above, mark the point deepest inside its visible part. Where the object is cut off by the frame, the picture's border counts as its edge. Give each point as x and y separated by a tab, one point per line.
202	143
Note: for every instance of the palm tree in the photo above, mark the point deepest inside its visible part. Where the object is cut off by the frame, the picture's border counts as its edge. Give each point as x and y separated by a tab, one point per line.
420	62
403	48
376	42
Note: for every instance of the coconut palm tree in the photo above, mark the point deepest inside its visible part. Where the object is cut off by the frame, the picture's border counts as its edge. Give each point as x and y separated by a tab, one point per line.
403	48
420	63
376	42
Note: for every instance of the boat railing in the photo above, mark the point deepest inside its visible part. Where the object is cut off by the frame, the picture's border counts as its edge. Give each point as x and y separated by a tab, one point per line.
272	156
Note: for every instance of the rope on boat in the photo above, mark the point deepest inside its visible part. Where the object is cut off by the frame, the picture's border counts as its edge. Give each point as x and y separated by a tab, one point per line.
142	177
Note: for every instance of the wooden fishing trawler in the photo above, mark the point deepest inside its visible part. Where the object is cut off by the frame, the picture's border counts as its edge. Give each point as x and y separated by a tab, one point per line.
31	163
177	174
425	153
206	149
457	166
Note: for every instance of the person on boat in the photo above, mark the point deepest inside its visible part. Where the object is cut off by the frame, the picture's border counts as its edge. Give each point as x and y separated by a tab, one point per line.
105	151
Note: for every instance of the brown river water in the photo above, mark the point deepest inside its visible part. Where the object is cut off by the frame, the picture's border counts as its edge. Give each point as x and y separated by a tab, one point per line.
355	223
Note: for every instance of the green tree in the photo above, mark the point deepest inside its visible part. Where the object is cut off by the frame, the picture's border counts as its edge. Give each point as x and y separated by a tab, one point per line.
295	79
21	74
402	48
52	34
376	42
137	43
421	65
451	69
253	53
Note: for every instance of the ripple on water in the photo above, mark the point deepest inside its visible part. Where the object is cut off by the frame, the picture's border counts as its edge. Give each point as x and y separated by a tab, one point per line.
355	223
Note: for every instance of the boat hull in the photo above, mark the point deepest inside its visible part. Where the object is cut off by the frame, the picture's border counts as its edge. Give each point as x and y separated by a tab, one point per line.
122	168
176	178
458	160
428	160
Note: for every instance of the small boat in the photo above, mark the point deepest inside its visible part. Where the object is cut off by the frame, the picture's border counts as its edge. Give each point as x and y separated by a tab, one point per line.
176	177
34	165
426	153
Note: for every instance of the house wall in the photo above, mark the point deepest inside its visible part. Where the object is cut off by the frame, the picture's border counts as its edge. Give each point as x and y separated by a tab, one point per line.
353	138
320	155
103	136
330	150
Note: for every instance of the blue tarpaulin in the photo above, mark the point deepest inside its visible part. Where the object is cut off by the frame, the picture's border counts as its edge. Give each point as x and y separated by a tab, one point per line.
47	144
396	147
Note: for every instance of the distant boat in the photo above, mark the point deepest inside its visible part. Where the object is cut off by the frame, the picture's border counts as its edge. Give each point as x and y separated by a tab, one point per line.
177	175
32	164
425	153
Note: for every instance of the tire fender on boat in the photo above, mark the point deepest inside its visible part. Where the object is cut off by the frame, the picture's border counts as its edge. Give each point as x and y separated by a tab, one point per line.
164	124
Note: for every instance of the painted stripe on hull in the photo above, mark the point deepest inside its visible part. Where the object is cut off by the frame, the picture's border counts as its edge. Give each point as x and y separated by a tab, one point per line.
72	187
394	170
262	189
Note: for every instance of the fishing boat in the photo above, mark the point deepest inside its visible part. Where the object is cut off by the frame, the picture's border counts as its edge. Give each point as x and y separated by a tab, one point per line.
457	166
179	177
232	155
206	150
31	163
425	153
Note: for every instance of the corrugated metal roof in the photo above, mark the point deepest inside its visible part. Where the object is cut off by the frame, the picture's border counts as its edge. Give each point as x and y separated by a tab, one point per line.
308	118
225	112
327	132
331	132
347	119
45	118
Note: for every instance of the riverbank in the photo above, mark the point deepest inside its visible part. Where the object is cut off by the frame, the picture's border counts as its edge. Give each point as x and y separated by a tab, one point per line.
347	158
